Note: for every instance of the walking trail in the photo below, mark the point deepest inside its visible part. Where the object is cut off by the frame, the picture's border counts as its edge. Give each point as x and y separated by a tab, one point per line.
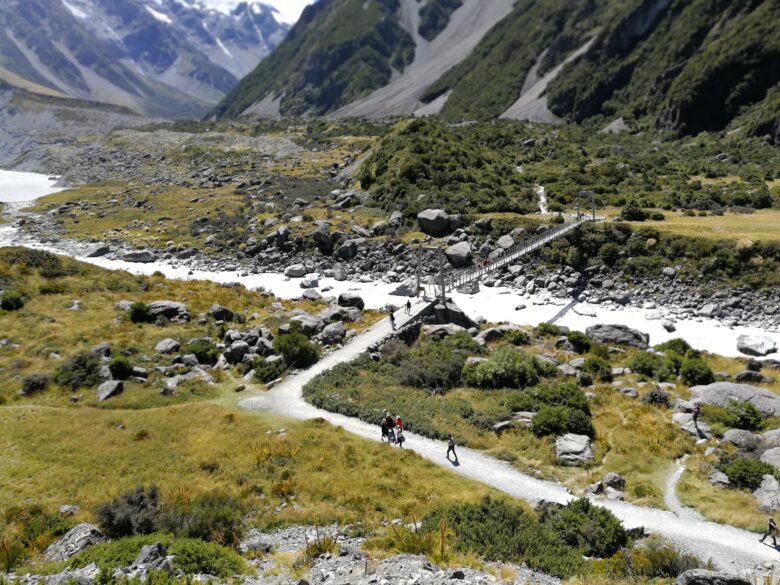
729	548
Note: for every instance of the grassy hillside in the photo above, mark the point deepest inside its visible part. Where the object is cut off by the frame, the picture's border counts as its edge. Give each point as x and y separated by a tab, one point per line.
339	51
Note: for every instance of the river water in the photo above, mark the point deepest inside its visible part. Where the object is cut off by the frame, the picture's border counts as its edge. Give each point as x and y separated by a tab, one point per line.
497	304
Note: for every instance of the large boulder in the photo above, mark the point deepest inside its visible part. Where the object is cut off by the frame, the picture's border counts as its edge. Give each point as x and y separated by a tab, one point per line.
171	310
220	313
740	438
310	324
236	352
167	346
573	449
408	288
702	577
296	271
459	255
255	541
723	393
768	494
349	249
618	334
771	457
109	389
322	239
434	222
73	542
756	345
334	333
98	250
439	332
140	257
351	300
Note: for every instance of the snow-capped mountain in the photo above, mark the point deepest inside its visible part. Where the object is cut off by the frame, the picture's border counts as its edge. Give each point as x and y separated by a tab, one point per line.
161	57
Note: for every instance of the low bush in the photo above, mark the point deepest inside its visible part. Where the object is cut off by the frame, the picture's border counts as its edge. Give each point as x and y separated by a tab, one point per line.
497	530
206	352
559	420
298	351
579	341
677	346
36	527
192	556
517	337
658	397
743	415
213	516
80	371
266	371
695	371
547	330
132	513
11	301
35	383
633	211
436	365
591	529
650	365
52	288
139	313
120	368
653	559
598	367
507	367
747	473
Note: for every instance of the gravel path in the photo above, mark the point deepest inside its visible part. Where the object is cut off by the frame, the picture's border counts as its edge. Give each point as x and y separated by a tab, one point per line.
728	547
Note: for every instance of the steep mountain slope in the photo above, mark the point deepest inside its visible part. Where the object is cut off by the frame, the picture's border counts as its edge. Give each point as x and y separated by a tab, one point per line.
684	65
159	57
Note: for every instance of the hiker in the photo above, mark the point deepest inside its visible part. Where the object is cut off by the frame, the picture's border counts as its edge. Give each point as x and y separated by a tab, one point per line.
451	449
385	425
399	424
399	437
392	320
771	530
388	422
409	307
696	413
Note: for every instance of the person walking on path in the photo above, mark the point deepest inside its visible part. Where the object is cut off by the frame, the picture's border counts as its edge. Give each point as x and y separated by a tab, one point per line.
385	425
771	530
392	320
409	307
399	437
399	424
451	449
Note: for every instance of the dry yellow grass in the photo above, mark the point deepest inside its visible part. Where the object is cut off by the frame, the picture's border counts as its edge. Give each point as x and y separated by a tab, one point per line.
761	226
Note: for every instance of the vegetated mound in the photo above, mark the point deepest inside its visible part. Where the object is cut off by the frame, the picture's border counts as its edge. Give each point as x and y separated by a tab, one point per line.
338	51
422	163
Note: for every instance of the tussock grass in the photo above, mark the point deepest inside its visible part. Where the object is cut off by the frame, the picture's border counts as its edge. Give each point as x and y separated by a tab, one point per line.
81	456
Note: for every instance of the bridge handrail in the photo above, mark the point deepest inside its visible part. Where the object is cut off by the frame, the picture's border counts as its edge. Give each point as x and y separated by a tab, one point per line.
514	252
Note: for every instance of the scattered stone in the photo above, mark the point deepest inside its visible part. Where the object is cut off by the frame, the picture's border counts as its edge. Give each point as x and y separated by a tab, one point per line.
351	300
98	250
220	313
772	457
614	480
722	393
296	271
756	345
109	389
768	494
573	449
171	310
618	334
459	255
140	257
740	438
102	350
166	346
73	542
751	377
719	479
703	577
434	222
334	333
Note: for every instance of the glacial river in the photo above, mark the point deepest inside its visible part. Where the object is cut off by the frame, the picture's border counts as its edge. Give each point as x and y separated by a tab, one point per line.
497	304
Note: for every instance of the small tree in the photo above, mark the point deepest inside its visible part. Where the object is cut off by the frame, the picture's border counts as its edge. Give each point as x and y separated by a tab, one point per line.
297	349
11	301
695	371
139	313
120	368
632	211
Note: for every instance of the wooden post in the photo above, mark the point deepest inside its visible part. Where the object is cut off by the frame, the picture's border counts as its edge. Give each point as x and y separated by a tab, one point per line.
443	277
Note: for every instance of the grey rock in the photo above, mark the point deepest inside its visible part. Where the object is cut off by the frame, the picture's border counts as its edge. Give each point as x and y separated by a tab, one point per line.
296	271
459	255
771	457
310	282
619	334
740	438
768	494
171	310
614	480
68	510
719	479
751	377
102	350
236	352
722	393
703	577
613	494
351	300
73	542
334	333
434	222
109	389
140	257
256	541
710	310
506	242
311	294
98	250
167	346
756	345
220	313
408	288
310	324
573	449
441	331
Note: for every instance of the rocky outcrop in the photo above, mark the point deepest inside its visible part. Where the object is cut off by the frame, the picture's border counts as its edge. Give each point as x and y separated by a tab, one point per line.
220	313
109	389
351	300
702	577
73	542
619	335
166	346
756	345
723	393
140	257
459	255
437	222
768	494
171	310
572	449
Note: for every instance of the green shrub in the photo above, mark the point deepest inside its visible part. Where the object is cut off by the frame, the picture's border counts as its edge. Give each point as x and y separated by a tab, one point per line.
598	367
579	341
139	313
120	368
695	371
297	349
213	516
632	211
517	337
580	524
436	365
268	371
559	420
547	330
652	366
653	559
564	394
497	530
677	346
34	383
132	513
80	371
11	301
52	288
743	415
206	352
191	555
658	397
747	473
507	367
37	527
